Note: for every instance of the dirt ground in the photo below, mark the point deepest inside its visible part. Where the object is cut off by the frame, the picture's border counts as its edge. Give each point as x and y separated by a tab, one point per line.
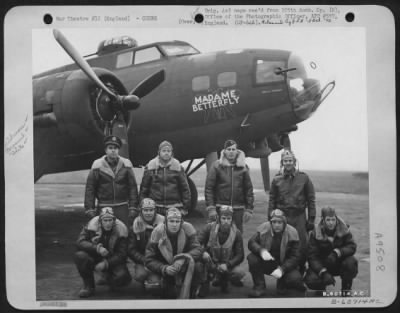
58	224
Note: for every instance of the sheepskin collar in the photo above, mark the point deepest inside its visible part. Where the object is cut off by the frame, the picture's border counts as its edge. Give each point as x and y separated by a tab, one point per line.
173	165
118	229
140	225
240	160
341	229
103	165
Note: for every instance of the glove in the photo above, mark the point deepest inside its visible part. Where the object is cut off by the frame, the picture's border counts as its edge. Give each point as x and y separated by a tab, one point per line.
332	258
212	213
265	255
184	212
90	213
310	225
102	251
277	273
206	257
247	215
102	266
133	213
222	268
328	279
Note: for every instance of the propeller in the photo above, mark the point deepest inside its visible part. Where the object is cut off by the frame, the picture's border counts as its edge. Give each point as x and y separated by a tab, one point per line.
148	84
112	107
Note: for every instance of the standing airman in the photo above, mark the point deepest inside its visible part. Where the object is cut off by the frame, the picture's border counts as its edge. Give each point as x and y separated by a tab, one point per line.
293	193
164	181
228	183
112	182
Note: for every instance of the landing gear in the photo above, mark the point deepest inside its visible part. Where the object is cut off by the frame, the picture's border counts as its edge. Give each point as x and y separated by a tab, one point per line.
192	187
193	194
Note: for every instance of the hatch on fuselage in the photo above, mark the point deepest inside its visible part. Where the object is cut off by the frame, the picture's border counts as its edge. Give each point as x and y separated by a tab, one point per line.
116	44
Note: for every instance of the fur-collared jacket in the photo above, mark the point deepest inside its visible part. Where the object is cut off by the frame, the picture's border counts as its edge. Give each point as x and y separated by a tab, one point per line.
139	236
289	249
292	193
320	245
231	251
159	253
109	187
165	185
229	185
116	242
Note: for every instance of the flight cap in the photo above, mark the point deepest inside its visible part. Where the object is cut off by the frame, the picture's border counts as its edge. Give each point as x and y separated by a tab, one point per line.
163	144
287	154
148	203
106	212
173	213
278	215
226	210
327	211
112	140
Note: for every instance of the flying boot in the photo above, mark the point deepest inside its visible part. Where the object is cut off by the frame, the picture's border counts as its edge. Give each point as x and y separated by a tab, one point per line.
224	284
259	288
88	287
204	289
346	286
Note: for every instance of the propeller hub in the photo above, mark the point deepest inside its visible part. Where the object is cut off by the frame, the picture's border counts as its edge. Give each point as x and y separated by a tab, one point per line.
130	102
104	107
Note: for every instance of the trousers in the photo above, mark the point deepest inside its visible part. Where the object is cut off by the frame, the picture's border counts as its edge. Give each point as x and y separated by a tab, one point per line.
346	268
85	263
258	268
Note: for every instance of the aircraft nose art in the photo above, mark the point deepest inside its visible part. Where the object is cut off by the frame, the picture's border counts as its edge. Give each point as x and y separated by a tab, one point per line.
308	85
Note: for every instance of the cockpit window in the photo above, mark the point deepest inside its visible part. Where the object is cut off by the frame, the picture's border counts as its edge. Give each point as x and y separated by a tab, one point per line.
124	59
266	71
147	55
178	49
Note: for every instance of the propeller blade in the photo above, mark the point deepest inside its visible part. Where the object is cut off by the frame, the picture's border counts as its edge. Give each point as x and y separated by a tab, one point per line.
148	84
264	162
119	129
80	61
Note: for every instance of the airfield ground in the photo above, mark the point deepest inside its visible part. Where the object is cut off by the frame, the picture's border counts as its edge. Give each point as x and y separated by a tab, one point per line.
59	218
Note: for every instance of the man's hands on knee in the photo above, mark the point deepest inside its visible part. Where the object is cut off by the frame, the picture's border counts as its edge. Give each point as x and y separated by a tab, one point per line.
206	257
332	258
101	266
265	255
222	268
102	251
277	273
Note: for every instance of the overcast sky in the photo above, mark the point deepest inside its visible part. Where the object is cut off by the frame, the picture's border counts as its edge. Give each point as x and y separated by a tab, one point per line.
334	138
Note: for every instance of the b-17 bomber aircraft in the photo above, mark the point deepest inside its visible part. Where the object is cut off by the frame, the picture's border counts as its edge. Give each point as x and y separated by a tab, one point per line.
169	91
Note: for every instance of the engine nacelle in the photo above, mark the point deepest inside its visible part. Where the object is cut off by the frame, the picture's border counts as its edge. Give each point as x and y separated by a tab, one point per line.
67	125
259	149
